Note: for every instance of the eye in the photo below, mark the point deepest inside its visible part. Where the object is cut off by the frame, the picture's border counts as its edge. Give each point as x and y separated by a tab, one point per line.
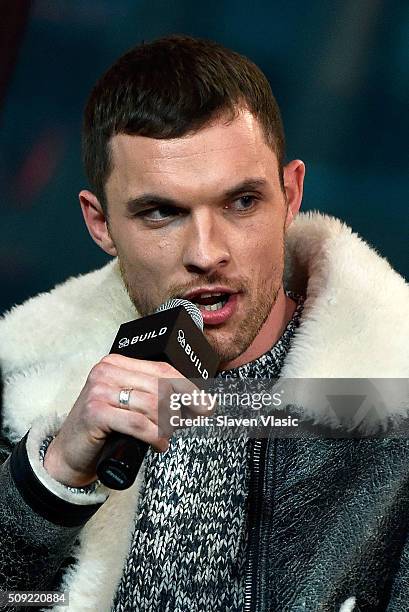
244	203
159	213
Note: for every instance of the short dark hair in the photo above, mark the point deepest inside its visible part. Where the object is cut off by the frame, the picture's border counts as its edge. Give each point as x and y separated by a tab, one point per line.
169	88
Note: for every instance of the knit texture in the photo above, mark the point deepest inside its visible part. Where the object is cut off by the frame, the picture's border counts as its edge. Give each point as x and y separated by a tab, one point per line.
188	549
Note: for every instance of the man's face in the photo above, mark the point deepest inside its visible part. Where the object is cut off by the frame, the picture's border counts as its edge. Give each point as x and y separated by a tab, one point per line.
203	212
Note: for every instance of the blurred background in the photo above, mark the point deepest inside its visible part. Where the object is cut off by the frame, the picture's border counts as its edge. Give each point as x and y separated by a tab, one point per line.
339	70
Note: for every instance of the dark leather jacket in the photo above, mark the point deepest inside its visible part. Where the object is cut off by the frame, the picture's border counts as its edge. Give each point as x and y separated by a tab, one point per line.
328	520
332	523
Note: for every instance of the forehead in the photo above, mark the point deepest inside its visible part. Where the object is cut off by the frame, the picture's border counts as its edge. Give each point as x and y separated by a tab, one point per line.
219	153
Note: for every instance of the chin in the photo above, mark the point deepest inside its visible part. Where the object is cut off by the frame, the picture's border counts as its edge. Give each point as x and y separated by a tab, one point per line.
226	348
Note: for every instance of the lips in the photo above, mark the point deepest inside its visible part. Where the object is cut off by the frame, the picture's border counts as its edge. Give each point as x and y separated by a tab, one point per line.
225	297
221	315
195	294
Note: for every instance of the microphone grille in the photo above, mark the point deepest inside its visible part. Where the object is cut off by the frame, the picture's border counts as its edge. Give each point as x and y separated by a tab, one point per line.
191	308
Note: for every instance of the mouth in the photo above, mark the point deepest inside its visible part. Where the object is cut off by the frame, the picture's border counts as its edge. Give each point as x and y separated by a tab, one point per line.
216	306
211	302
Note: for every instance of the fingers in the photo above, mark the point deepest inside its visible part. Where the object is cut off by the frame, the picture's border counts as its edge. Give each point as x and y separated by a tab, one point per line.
139	401
152	386
149	405
107	374
135	424
147	376
156	369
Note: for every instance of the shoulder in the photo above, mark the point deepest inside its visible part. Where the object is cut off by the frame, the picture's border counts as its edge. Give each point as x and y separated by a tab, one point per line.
332	257
62	319
353	322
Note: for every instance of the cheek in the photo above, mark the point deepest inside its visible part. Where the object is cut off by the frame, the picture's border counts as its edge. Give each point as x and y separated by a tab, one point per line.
263	258
150	262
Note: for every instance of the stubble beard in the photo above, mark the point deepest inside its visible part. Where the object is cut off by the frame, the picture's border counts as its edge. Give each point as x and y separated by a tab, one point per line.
247	330
260	304
142	305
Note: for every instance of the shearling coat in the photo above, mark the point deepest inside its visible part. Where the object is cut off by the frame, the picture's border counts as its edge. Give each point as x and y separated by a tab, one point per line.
354	325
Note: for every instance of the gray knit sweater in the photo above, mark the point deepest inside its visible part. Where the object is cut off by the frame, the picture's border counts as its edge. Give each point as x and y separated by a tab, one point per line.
188	550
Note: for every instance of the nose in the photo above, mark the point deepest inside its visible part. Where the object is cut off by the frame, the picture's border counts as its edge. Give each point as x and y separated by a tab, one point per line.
205	243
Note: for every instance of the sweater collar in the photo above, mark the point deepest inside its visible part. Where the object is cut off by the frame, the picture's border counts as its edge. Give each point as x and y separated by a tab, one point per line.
270	363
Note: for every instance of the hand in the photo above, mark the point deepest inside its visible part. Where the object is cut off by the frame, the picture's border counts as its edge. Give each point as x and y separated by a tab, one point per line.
72	456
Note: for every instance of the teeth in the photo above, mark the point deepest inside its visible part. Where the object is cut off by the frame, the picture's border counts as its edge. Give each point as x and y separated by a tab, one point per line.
216	306
206	295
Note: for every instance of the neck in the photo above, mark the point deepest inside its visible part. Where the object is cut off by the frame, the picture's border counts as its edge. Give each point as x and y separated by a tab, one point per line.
270	332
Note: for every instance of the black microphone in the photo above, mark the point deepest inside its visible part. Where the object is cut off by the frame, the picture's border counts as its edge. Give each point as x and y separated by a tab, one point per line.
173	335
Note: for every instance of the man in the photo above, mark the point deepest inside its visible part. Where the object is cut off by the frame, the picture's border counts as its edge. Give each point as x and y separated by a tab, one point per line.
184	149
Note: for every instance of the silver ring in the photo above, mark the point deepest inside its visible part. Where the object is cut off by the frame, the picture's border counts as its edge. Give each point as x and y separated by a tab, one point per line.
124	396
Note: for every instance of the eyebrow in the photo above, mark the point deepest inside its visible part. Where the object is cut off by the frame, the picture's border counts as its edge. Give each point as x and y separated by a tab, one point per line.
133	205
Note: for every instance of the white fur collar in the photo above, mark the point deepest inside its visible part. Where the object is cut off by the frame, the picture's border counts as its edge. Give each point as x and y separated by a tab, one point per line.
354	324
354	320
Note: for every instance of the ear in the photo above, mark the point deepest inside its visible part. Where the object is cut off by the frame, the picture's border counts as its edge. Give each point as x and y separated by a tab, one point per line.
294	173
96	221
